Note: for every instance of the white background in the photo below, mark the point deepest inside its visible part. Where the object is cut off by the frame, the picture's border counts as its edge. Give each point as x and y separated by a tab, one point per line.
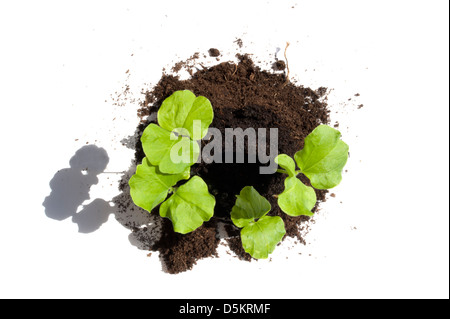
62	61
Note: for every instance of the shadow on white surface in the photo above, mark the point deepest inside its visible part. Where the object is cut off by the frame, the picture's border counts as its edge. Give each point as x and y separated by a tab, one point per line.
145	228
70	188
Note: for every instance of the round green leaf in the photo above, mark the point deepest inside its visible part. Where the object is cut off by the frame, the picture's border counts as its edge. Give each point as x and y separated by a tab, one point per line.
189	206
173	154
182	112
260	239
149	186
323	157
287	163
250	205
297	198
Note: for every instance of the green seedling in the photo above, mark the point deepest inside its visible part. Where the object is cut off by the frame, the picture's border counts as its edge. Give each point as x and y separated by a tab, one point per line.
260	233
183	119
321	160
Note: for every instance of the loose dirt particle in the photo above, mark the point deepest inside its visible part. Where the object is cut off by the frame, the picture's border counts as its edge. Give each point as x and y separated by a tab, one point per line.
214	52
280	65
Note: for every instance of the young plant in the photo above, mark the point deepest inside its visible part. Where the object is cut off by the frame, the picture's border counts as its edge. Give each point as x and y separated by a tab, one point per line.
260	233
183	119
321	160
171	149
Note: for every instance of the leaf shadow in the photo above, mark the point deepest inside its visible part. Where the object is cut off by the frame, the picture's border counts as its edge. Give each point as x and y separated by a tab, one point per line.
70	188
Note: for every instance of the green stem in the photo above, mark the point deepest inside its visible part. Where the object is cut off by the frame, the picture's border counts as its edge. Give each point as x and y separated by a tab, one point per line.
172	190
283	171
225	220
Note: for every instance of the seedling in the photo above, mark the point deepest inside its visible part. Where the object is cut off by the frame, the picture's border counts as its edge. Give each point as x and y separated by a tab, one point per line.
183	119
321	160
260	233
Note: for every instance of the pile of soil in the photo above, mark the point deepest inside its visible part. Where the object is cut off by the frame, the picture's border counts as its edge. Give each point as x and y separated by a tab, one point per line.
243	96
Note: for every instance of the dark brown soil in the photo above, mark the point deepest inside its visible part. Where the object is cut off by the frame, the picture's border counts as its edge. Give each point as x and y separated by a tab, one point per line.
214	52
180	252
239	43
279	65
242	96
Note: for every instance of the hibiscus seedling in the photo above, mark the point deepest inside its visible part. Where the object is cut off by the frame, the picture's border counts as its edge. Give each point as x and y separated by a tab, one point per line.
171	148
183	119
321	160
260	233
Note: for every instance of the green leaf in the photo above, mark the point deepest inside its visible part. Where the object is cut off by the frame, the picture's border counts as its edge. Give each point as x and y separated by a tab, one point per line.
149	187
183	112
189	206
173	154
297	198
260	233
287	163
250	205
260	239
323	157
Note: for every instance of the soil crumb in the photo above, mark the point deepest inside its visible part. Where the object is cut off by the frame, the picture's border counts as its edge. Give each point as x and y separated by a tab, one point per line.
214	52
239	42
188	65
279	65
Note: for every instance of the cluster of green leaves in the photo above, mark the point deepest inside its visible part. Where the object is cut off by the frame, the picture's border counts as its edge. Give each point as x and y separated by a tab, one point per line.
183	119
321	160
260	233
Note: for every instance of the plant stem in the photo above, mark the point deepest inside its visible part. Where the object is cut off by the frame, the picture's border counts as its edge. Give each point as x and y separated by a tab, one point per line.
282	171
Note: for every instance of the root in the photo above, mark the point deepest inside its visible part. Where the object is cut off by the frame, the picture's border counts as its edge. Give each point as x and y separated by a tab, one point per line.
287	64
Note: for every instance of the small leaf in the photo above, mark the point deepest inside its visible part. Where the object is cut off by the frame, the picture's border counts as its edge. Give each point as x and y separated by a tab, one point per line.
297	198
182	110
287	163
250	205
323	157
260	233
260	239
189	206
149	187
173	154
